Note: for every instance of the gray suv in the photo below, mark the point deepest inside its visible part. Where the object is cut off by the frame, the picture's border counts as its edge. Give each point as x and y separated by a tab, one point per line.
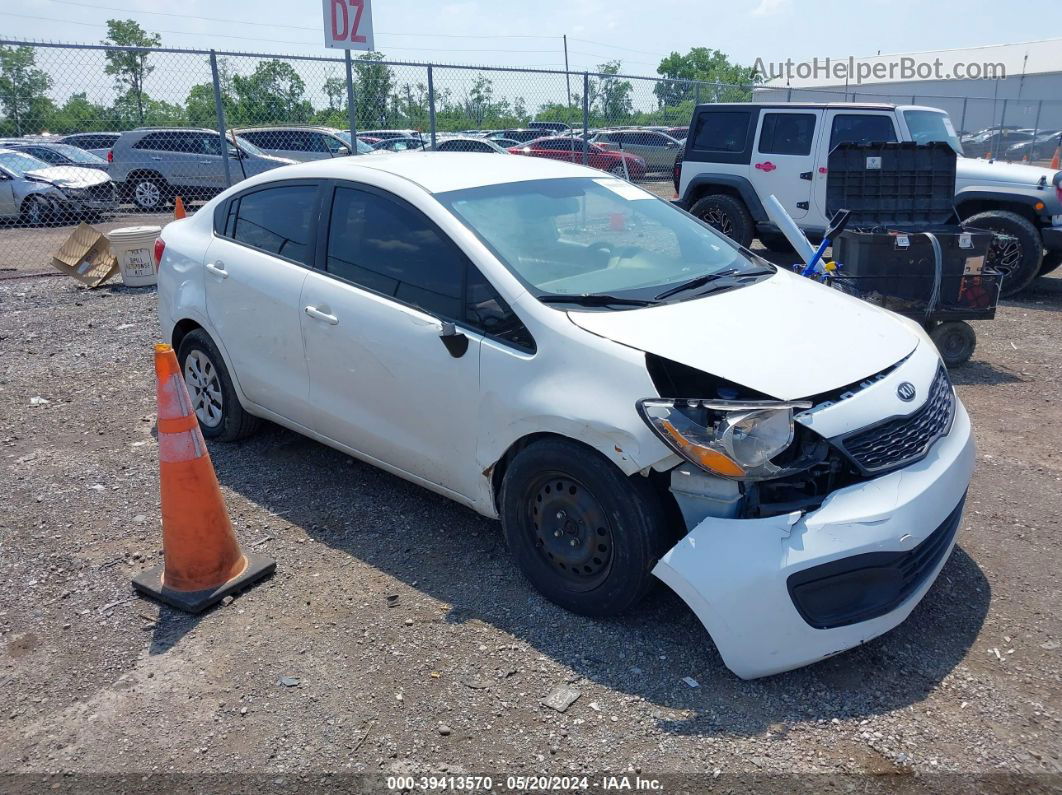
153	165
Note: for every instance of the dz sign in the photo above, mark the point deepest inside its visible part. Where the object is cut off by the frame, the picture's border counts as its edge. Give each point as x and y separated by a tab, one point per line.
348	24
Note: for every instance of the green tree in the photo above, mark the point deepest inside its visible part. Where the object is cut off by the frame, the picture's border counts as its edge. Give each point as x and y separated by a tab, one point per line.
374	83
78	114
610	97
272	94
335	88
25	104
200	109
130	67
708	65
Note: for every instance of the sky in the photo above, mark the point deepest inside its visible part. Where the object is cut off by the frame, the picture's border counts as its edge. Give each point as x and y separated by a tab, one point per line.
528	33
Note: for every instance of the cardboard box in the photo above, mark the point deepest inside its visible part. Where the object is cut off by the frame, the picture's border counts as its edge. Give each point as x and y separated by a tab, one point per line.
86	256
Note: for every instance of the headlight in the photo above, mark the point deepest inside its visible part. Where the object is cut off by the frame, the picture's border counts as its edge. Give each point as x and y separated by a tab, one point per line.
730	438
74	193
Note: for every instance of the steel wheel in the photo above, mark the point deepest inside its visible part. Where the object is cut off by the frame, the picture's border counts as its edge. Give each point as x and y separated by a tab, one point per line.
33	212
147	194
204	387
572	531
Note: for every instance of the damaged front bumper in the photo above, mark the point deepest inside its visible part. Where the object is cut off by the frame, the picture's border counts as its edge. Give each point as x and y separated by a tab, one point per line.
785	591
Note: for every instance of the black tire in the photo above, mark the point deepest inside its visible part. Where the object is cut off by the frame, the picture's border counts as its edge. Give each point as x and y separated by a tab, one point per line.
776	242
956	340
34	211
234	422
1052	259
149	192
1021	257
726	215
596	559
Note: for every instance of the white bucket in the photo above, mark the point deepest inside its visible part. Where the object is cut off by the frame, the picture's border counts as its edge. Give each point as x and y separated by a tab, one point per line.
134	248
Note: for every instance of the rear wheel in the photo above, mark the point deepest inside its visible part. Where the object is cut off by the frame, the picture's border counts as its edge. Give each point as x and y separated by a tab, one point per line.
214	400
956	340
726	215
1020	256
585	535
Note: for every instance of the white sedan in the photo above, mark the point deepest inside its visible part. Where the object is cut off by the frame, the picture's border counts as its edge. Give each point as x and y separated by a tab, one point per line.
632	395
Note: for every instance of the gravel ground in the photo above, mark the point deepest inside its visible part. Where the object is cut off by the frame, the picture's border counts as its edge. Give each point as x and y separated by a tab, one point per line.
396	636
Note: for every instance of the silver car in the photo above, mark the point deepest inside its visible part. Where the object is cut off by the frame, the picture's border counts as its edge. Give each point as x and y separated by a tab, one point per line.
302	143
657	149
36	193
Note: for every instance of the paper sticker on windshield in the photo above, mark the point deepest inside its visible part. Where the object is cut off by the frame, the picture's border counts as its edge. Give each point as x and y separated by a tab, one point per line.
949	126
624	189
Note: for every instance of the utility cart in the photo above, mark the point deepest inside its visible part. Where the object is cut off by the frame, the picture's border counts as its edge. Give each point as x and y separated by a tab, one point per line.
903	248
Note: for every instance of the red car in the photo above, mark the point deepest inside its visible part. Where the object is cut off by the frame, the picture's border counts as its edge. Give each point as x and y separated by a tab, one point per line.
571	149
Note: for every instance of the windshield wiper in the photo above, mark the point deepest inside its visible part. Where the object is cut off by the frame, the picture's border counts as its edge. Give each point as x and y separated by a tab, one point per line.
592	299
708	278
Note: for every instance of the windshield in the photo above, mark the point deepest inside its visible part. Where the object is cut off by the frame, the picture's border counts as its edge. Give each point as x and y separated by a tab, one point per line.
76	155
248	147
927	126
20	163
363	148
596	235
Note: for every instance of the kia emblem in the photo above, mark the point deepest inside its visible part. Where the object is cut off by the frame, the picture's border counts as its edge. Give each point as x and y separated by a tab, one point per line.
906	392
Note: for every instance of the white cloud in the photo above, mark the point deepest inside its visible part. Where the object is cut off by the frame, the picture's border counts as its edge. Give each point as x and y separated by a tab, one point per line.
768	8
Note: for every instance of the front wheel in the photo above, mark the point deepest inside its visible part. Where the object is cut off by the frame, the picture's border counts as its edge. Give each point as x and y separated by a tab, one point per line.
726	215
585	535
1018	256
214	400
34	212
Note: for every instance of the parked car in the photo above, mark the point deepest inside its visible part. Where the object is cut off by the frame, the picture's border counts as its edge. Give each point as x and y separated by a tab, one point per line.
384	134
571	149
400	145
1042	147
523	136
611	378
657	149
98	143
153	165
737	154
504	143
994	142
368	139
56	154
35	192
554	127
467	144
302	143
678	132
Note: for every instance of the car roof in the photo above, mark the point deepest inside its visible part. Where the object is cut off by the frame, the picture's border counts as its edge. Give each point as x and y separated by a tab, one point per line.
439	172
279	127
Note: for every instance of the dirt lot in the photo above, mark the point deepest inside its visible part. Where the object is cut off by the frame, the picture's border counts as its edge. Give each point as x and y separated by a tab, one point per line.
406	640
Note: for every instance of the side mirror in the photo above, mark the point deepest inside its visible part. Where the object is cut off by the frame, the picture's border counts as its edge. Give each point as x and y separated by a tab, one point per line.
343	150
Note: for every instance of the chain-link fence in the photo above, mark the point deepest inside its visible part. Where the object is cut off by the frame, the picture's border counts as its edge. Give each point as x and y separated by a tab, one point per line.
114	135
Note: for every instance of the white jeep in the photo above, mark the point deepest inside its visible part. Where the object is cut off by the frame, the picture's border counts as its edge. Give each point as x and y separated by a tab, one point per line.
738	154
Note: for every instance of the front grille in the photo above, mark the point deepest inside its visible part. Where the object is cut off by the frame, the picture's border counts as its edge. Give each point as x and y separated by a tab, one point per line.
903	440
866	586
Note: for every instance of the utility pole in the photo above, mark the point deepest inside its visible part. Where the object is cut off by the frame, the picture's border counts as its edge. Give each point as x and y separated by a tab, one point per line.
567	76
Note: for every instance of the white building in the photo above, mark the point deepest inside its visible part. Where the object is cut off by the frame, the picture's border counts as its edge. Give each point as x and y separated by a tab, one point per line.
1017	85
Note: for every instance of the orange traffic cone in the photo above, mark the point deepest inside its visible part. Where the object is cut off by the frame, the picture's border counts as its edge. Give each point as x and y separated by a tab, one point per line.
1056	161
178	209
203	562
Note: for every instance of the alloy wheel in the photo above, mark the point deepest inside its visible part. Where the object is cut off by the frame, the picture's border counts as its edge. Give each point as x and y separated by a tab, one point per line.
719	219
147	194
204	387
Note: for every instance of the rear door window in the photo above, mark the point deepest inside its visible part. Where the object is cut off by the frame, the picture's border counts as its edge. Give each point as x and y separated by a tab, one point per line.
279	220
861	128
787	133
722	130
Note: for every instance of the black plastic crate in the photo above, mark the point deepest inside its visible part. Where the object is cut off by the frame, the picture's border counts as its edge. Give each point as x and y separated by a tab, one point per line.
900	185
897	270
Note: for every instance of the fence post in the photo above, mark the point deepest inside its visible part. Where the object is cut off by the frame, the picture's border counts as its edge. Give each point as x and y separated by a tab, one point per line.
219	111
1036	127
431	105
962	122
697	95
586	117
352	111
997	142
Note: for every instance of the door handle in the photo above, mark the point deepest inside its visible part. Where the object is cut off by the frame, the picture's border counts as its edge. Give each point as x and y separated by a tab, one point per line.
156	158
218	269
317	314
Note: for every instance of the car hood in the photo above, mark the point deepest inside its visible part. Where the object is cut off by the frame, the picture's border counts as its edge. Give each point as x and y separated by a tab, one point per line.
69	176
973	171
785	336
